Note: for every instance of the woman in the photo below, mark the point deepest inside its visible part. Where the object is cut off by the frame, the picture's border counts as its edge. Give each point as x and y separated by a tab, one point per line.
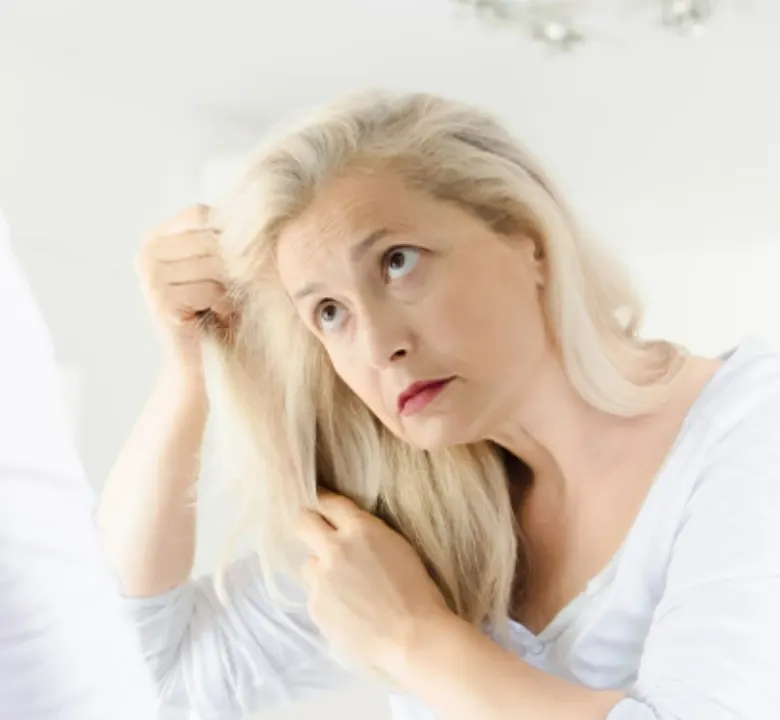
512	505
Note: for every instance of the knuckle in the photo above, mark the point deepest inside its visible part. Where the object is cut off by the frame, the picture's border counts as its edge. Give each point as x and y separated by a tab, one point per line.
358	528
150	274
143	262
149	239
200	213
338	549
309	571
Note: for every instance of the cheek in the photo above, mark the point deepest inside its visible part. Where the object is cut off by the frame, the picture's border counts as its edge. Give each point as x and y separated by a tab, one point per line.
359	379
486	321
365	384
455	322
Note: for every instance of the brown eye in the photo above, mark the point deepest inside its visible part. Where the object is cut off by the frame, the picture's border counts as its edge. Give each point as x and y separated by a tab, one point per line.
328	315
400	260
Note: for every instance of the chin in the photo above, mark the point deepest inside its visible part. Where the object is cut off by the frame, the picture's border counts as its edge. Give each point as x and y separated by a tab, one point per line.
437	433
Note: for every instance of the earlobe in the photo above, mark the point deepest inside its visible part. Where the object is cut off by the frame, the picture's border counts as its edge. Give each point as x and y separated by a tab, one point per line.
538	263
532	253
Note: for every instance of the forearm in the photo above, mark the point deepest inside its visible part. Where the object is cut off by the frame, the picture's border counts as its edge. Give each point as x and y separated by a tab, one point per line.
147	509
461	674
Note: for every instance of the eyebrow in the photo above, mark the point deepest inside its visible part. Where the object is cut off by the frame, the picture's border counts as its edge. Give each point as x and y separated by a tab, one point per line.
356	252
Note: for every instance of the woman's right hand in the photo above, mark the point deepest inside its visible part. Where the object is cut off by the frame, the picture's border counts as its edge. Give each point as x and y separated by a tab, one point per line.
182	278
146	513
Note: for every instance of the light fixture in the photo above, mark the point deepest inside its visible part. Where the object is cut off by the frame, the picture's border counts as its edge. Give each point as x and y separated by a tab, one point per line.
560	24
686	15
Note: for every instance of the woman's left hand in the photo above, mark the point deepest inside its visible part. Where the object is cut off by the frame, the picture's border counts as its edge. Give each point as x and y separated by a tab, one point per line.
368	588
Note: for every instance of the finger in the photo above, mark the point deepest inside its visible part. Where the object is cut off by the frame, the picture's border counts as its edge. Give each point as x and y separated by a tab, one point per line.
195	297
314	531
194	217
206	268
225	307
338	510
159	251
310	572
183	245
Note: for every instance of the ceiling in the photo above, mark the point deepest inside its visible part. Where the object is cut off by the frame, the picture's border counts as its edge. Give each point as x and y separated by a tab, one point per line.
682	122
254	58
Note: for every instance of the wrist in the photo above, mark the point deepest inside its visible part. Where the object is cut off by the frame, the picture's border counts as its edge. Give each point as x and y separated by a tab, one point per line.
183	377
416	640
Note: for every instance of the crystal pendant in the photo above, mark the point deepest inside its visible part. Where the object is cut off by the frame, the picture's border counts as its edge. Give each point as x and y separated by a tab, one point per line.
686	16
552	22
557	34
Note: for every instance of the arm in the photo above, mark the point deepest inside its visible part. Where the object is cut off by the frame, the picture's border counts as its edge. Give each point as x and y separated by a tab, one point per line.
219	660
66	649
229	660
147	508
712	649
462	674
375	601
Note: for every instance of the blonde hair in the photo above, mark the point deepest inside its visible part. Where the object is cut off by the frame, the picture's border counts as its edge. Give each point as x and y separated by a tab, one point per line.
290	425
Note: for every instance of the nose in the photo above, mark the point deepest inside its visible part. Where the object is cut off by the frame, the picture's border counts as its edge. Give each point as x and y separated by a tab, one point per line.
386	338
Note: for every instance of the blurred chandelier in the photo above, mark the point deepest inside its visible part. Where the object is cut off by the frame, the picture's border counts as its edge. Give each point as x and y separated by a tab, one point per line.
560	24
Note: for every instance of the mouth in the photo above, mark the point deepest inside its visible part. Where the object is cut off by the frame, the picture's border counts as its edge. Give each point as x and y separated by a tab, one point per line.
418	395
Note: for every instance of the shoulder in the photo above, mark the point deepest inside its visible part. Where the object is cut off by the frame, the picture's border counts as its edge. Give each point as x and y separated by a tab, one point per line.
730	439
748	380
737	418
731	471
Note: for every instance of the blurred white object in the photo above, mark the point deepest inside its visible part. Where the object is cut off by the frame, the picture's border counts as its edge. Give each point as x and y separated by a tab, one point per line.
71	388
565	24
66	649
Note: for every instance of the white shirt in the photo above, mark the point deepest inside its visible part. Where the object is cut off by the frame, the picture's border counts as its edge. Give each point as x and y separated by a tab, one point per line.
67	651
685	619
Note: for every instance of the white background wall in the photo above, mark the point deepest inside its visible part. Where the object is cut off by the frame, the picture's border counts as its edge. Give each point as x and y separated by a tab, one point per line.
712	298
669	151
83	173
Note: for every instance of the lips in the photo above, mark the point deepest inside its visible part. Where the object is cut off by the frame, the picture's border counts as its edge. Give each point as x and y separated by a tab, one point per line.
420	393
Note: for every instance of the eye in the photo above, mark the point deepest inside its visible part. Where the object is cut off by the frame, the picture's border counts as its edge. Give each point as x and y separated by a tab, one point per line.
399	261
328	315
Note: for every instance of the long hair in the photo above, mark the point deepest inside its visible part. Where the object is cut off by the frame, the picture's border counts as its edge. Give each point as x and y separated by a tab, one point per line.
290	425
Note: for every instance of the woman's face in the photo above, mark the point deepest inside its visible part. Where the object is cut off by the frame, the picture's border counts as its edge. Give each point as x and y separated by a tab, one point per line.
431	318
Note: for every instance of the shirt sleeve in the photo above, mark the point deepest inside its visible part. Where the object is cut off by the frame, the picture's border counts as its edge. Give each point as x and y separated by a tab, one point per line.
713	650
67	651
224	659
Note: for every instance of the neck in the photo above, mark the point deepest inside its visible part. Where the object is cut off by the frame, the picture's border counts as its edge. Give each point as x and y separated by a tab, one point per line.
551	422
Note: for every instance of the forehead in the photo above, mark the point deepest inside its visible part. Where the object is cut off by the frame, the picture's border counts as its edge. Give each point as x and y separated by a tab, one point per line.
349	207
344	212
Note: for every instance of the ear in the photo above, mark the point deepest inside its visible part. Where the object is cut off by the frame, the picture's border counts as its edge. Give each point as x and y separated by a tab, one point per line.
534	255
